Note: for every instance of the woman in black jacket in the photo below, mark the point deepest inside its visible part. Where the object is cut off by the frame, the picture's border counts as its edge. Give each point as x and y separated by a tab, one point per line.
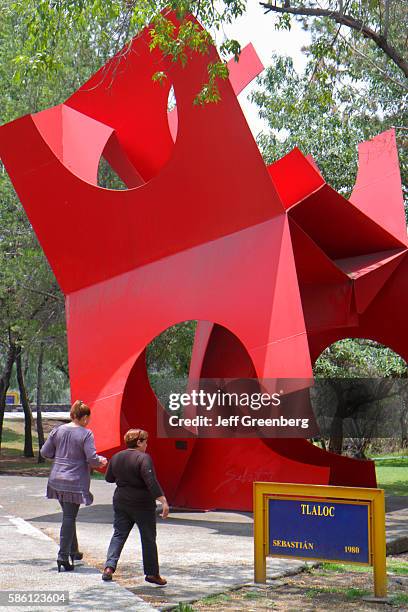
134	501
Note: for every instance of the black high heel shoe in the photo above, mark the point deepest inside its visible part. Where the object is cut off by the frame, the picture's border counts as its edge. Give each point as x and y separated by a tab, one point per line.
76	556
65	564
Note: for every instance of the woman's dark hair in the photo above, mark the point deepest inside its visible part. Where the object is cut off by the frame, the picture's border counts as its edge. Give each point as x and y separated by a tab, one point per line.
133	436
79	410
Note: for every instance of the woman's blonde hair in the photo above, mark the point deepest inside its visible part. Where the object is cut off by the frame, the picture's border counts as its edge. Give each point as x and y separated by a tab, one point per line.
133	436
79	410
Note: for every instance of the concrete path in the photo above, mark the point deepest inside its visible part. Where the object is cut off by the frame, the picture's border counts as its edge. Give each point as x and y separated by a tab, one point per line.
200	553
27	560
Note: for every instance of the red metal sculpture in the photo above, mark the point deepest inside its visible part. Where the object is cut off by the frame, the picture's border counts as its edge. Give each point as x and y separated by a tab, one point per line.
272	261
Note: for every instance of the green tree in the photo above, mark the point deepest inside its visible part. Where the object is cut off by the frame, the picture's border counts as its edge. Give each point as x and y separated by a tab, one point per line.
378	27
351	90
110	24
360	378
359	357
327	118
306	113
339	24
32	318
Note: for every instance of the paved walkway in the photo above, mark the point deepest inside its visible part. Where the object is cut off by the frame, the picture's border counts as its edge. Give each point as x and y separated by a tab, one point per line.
27	558
200	553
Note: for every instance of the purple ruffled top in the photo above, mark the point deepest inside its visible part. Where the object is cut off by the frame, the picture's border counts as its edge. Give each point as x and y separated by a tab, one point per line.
74	454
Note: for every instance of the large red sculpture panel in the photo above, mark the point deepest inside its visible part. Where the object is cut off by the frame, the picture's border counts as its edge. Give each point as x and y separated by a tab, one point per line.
272	262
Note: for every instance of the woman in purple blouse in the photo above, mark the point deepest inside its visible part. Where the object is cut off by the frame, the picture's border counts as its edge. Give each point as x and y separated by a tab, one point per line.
73	449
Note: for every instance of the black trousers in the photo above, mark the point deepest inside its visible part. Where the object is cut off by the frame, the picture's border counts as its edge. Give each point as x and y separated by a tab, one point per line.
124	519
68	536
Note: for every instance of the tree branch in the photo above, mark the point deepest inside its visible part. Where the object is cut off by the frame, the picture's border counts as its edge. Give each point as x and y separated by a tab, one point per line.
52	296
386	18
347	20
373	64
63	370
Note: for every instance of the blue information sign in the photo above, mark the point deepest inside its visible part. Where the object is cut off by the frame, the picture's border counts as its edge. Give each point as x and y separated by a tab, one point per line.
319	529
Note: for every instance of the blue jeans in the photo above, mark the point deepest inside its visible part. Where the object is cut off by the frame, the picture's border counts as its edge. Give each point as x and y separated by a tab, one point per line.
68	536
124	519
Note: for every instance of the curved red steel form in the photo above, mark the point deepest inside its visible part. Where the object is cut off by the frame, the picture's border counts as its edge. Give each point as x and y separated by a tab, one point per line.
272	261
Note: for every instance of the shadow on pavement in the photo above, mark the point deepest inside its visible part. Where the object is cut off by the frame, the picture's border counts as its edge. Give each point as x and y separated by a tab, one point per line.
396	502
103	513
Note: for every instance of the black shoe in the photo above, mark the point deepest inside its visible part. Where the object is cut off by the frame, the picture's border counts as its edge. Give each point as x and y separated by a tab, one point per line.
65	564
76	556
107	573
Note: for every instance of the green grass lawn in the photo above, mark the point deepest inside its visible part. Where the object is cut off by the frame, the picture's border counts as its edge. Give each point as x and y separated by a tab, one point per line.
395	566
12	442
12	459
13	437
392	475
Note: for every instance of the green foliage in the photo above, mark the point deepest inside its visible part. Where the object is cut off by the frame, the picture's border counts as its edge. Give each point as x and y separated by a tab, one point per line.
394	566
168	359
110	24
254	595
209	91
284	22
115	21
31	304
340	100
108	178
352	89
359	357
183	607
231	47
353	592
159	77
400	599
327	120
342	568
350	593
381	45
216	599
359	384
170	352
177	41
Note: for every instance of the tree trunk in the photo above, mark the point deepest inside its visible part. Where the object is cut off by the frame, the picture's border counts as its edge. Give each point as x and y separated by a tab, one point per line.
4	384
28	417
40	430
336	435
404	430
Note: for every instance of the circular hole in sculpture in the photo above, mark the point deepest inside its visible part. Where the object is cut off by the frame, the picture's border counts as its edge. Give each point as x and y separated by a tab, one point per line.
189	353
195	355
168	359
134	156
360	398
